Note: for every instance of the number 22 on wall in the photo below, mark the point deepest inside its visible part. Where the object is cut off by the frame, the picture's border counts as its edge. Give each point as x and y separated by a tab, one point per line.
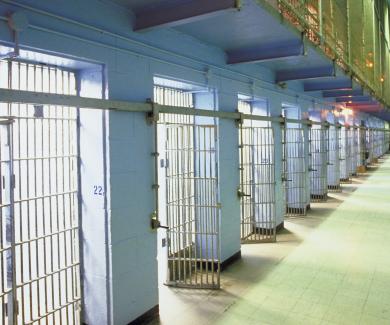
98	190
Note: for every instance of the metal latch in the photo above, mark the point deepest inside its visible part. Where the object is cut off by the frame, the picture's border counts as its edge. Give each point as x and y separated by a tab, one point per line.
155	223
240	120
241	194
6	307
153	116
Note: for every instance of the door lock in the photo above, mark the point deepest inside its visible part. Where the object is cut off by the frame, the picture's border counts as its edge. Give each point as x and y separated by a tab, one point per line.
155	223
241	194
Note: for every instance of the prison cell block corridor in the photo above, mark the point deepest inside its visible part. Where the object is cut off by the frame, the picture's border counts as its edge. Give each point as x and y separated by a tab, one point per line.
330	267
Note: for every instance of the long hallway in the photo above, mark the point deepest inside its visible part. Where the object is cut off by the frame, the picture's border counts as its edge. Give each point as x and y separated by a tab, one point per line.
339	274
330	267
190	162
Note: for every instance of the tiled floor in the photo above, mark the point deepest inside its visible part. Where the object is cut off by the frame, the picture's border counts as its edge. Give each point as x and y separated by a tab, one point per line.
331	267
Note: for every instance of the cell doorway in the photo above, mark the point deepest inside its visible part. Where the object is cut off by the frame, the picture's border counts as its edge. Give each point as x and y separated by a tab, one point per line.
257	174
189	242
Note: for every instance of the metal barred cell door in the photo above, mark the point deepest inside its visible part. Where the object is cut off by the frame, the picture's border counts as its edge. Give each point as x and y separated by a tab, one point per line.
318	151
344	155
363	146
352	145
193	216
383	141
257	184
8	300
378	143
334	159
387	141
295	171
45	241
369	145
356	139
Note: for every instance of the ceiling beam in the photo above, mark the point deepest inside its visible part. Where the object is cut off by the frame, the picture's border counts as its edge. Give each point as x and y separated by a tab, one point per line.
353	99
306	73
337	84
265	52
182	13
341	93
367	109
367	104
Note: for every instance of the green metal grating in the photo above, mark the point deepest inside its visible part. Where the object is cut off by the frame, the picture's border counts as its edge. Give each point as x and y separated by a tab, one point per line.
354	33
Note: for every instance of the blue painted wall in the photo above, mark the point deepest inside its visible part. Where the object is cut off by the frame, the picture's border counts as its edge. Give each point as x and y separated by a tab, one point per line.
127	286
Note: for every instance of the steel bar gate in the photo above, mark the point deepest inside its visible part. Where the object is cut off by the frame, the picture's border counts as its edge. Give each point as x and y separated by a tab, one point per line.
379	143
257	184
334	159
384	143
375	144
345	156
318	152
353	152
364	154
359	147
7	249
192	208
295	171
370	145
387	141
43	250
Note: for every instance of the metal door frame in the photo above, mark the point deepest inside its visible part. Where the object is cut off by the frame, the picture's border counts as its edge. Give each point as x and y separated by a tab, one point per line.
353	151
363	147
44	199
193	233
193	246
369	144
297	192
258	209
334	157
318	150
8	298
344	154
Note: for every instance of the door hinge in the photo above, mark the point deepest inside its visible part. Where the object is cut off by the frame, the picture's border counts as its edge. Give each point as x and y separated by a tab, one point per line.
13	181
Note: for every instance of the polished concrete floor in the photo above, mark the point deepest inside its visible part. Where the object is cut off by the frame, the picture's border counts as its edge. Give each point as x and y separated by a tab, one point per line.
330	267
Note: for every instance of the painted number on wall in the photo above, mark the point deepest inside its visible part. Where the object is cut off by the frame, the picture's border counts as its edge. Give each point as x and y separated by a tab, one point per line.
98	190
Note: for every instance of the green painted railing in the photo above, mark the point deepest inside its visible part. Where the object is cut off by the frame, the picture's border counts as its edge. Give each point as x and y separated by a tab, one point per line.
354	33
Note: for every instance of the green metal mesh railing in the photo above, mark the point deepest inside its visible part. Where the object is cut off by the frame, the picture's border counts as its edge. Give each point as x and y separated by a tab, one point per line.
354	33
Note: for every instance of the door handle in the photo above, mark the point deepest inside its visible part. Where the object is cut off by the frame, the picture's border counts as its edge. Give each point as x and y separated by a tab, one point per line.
241	194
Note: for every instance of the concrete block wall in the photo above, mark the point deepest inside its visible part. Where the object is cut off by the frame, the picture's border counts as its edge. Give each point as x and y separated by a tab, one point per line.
94	235
229	174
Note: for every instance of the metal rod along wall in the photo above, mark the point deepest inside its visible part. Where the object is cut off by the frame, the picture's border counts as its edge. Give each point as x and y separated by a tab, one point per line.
30	97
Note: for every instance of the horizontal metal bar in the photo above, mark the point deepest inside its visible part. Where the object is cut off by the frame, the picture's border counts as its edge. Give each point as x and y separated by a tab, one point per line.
46	275
52	234
30	97
53	311
5	292
3	249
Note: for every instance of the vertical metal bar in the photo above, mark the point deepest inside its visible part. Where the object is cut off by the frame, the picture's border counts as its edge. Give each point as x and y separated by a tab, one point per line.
12	310
320	22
